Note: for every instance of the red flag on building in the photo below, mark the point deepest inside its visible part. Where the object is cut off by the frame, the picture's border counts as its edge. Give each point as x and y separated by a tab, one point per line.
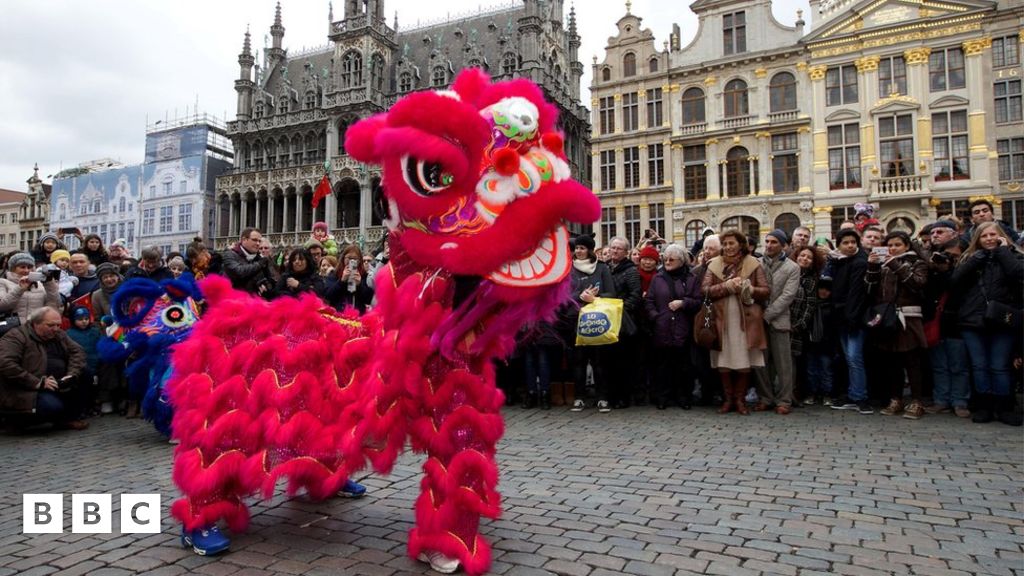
323	189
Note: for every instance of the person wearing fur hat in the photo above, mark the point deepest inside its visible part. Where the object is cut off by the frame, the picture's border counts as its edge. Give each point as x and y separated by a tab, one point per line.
23	290
41	252
326	240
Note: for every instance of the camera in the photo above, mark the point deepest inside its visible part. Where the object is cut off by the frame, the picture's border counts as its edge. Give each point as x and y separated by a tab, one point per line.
353	264
941	258
53	274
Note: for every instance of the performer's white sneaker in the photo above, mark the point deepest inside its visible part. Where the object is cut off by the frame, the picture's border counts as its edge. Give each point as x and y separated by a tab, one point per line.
439	562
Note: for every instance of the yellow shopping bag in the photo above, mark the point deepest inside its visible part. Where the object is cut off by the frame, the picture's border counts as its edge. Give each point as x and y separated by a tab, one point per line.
600	322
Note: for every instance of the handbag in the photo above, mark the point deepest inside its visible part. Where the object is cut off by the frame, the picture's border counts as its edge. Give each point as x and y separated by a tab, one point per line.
600	322
705	330
999	315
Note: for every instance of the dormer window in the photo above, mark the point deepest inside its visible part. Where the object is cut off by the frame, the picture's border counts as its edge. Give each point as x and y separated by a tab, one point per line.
258	111
405	82
652	65
282	105
606	74
734	33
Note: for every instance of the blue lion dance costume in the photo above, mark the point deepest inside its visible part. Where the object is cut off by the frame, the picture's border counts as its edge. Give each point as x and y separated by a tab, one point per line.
148	319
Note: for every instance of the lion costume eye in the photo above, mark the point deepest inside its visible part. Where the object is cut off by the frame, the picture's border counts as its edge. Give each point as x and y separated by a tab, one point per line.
175	317
426	178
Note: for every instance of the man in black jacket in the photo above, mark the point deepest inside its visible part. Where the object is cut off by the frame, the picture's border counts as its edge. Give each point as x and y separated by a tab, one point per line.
623	360
848	303
244	266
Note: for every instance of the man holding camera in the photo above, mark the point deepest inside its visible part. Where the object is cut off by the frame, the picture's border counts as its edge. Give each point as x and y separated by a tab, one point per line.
950	365
39	370
246	268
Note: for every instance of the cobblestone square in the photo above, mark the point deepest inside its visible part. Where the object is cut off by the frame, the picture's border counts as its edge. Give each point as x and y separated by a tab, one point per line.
636	491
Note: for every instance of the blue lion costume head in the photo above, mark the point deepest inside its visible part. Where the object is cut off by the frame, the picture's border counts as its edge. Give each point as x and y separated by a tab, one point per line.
148	319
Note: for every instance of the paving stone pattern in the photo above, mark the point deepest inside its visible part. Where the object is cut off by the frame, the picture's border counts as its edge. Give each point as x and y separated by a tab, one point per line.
635	491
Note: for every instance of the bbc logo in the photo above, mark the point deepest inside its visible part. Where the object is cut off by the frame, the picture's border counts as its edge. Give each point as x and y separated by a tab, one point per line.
90	513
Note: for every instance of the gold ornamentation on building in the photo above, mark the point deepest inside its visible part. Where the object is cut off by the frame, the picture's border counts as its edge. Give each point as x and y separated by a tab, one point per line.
801	66
895	98
817	72
803	129
977	46
710	81
917	55
867	64
1013	187
934	202
618	97
994	200
924	31
711	142
762	134
821	209
760	72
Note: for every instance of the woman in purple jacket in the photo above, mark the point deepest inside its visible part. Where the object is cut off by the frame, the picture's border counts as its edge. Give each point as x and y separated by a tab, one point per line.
671	301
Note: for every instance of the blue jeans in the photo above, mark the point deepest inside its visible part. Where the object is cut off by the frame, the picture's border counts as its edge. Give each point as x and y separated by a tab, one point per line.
819	373
990	353
538	361
852	342
949	372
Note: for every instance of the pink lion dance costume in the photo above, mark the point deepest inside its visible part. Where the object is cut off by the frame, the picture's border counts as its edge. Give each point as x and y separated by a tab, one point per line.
478	188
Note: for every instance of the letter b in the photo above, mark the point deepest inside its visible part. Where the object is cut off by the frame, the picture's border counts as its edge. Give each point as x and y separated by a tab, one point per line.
42	513
91	513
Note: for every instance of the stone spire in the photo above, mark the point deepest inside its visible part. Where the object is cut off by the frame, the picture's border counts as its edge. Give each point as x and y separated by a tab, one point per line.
244	85
277	30
330	18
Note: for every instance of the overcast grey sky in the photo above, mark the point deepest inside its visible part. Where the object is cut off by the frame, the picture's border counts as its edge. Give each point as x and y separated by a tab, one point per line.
79	77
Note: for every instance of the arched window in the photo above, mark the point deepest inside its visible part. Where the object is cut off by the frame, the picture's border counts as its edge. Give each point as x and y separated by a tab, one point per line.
693	106
405	82
747	225
282	104
606	74
508	63
782	92
310	101
693	231
787	222
122	203
629	65
296	150
257	112
736	101
652	65
352	69
439	77
377	72
737	172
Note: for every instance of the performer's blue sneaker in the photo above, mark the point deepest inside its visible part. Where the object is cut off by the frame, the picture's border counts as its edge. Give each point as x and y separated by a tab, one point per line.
205	542
352	489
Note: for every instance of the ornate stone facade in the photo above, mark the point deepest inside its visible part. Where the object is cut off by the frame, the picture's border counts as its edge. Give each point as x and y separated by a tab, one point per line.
34	214
293	110
916	109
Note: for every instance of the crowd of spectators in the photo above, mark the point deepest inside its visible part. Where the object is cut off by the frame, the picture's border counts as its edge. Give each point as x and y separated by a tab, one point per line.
55	304
866	321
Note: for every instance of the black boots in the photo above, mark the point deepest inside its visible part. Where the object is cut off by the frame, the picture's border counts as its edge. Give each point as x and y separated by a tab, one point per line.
1002	408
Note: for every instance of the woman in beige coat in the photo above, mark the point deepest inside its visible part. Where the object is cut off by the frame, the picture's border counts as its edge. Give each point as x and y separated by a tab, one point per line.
22	290
736	283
